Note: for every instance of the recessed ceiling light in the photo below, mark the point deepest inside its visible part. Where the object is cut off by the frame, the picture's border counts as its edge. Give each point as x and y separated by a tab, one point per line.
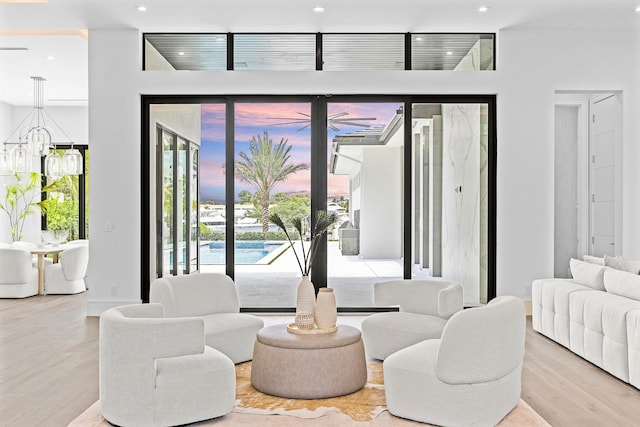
483	8
449	53
637	9
141	8
180	53
318	9
50	57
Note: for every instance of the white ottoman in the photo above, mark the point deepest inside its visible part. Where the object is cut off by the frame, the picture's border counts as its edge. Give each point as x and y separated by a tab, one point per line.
308	366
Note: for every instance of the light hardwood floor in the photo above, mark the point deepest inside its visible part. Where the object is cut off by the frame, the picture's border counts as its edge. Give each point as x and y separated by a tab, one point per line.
49	370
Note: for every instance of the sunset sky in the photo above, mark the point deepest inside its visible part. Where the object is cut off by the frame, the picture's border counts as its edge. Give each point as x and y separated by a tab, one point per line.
254	119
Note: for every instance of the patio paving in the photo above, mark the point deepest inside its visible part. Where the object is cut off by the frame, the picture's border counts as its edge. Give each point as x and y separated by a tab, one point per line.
274	285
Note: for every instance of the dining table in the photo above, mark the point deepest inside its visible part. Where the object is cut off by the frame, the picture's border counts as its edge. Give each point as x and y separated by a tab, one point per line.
42	252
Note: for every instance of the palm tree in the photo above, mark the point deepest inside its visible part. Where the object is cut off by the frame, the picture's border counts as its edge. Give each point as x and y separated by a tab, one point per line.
264	167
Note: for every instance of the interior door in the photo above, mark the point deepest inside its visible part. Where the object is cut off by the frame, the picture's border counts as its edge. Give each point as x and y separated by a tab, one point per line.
605	113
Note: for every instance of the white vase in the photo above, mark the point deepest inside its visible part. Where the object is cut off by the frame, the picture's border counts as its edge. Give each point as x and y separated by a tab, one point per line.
305	297
326	313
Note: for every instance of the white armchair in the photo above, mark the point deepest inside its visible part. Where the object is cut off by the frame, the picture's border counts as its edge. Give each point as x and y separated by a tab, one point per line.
158	372
67	276
425	306
213	297
18	276
29	246
471	376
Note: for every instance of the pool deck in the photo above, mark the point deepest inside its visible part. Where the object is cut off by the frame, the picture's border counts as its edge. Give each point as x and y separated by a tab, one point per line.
275	284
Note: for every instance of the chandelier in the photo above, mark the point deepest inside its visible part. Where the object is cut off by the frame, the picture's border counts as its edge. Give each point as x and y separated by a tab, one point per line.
35	137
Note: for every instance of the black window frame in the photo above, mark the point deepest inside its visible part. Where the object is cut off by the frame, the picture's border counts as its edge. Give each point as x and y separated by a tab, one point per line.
408	41
319	174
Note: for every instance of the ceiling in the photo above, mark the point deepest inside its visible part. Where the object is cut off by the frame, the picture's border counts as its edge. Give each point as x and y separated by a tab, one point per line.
51	29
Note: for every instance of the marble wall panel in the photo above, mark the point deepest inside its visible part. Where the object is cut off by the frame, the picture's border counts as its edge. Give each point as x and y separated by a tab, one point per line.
461	166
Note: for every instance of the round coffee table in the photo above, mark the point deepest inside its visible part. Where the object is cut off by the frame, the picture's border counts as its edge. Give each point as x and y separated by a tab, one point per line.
308	366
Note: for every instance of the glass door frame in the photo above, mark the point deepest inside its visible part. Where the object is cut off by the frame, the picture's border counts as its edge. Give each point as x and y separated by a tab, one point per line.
319	172
189	149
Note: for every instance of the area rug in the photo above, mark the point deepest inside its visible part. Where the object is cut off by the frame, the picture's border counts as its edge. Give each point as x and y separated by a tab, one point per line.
366	407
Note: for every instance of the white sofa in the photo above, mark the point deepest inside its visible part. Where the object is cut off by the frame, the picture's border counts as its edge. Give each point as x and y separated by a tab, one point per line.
596	314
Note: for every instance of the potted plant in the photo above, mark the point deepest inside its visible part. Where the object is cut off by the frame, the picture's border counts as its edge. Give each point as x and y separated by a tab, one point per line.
306	294
321	225
21	200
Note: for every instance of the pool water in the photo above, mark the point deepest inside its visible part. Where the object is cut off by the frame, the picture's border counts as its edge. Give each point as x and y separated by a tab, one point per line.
246	251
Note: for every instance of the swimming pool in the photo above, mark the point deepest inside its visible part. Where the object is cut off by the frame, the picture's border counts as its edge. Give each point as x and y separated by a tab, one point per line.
246	251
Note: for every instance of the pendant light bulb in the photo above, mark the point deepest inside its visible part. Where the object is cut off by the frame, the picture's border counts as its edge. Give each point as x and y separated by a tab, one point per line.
5	163
20	159
72	162
53	165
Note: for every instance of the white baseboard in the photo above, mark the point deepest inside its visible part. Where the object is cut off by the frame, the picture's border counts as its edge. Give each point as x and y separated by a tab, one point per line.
96	307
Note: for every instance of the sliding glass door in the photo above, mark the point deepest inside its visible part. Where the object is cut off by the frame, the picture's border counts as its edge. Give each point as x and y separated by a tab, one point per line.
411	180
364	187
272	161
213	189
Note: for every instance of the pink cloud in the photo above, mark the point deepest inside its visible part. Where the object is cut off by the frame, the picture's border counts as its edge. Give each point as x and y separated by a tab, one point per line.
213	113
258	114
382	112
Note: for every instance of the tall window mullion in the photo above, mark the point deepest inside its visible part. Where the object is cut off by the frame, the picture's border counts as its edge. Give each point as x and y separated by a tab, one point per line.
174	237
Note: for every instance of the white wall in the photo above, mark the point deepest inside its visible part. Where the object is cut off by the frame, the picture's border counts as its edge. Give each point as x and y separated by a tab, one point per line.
114	197
532	64
562	60
381	210
5	120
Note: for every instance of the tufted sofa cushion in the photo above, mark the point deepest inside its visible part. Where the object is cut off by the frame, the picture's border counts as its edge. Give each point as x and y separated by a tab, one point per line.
550	306
598	329
633	334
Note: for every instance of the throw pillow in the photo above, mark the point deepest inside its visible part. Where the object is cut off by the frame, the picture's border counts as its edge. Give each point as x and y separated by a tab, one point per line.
619	263
593	259
591	275
622	283
634	266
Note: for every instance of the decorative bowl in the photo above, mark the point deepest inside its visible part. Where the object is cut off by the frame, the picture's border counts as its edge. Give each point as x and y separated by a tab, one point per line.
54	237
